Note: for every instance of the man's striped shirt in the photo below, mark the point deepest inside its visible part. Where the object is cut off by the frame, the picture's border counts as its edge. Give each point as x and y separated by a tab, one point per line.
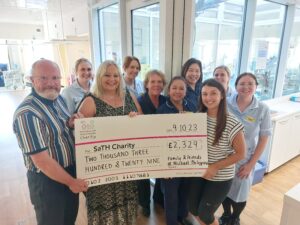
40	125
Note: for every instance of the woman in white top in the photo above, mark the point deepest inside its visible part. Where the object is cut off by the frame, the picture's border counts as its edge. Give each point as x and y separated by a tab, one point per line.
226	146
74	93
222	74
132	67
255	117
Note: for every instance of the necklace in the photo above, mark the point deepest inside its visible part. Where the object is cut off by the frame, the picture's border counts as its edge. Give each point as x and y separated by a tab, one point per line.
114	100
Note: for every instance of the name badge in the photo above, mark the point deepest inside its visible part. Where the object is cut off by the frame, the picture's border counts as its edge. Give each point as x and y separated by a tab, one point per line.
250	119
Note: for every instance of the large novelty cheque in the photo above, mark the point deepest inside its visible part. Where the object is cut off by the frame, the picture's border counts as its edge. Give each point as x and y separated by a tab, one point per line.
120	148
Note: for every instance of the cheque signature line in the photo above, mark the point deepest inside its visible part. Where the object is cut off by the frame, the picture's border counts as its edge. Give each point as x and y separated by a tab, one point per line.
118	169
113	174
141	138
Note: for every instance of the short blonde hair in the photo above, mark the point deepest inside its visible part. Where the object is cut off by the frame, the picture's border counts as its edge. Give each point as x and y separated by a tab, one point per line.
97	88
227	70
154	72
81	60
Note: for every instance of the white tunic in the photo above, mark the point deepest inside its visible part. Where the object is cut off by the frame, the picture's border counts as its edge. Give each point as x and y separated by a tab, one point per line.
73	95
257	122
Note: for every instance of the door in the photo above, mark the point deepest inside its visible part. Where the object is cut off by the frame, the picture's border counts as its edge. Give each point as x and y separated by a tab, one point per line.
144	37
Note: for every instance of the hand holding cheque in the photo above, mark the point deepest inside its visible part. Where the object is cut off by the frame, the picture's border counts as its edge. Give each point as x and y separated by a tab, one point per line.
114	149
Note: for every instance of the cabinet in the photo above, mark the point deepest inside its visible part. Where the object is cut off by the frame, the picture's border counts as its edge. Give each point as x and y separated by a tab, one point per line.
280	143
291	207
295	133
60	25
285	142
54	26
76	23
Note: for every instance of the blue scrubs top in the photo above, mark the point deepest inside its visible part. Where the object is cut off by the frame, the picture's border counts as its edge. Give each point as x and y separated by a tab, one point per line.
168	107
193	95
147	105
138	87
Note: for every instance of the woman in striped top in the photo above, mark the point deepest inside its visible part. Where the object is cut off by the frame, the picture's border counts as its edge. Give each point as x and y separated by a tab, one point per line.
226	146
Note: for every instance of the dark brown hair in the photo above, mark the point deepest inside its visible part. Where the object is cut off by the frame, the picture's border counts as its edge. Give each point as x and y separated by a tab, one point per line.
174	79
222	110
187	65
243	75
127	61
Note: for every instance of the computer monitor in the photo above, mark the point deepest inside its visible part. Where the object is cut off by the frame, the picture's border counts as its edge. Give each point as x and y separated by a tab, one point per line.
3	67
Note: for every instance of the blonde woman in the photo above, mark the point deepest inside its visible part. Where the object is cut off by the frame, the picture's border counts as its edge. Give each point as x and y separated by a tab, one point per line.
75	92
223	74
116	203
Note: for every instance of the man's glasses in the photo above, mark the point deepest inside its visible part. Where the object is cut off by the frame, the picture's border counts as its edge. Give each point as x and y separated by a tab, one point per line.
45	79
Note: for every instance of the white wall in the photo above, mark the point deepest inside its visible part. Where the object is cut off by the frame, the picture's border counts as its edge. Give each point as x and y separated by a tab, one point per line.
21	31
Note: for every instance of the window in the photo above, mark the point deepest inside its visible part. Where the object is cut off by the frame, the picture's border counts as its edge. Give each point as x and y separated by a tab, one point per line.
265	46
109	30
292	75
17	58
4	53
145	37
4	62
218	27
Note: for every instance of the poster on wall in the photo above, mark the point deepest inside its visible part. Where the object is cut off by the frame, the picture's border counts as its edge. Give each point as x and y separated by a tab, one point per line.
261	54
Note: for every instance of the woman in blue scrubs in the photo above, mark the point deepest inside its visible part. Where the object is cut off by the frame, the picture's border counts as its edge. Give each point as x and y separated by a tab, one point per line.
154	84
192	72
255	117
175	190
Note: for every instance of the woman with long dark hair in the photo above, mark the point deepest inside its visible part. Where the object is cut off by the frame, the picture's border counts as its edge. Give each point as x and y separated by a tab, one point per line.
226	146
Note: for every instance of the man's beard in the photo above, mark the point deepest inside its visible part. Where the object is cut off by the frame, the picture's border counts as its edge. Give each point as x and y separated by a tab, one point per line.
50	94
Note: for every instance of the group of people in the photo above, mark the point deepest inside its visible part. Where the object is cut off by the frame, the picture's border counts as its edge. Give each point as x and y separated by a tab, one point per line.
238	127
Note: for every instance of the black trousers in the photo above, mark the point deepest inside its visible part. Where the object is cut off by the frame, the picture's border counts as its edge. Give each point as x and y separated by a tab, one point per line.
175	192
53	202
144	191
206	196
